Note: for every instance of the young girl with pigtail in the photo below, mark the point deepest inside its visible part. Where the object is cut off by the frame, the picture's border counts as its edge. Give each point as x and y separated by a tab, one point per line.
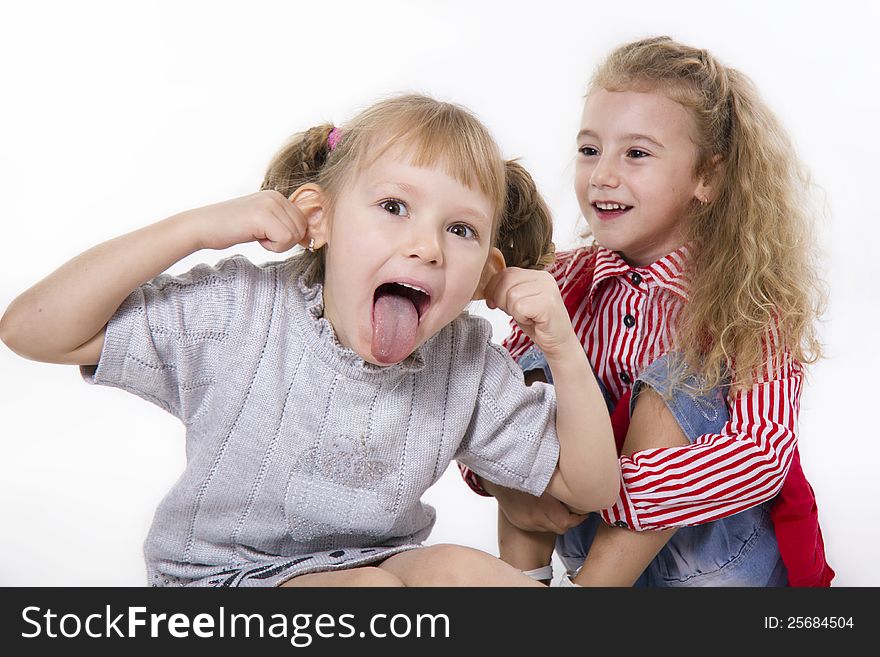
323	394
696	305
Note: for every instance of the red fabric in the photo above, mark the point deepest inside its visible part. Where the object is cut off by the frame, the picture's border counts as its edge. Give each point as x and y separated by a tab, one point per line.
472	480
796	521
794	512
573	294
620	420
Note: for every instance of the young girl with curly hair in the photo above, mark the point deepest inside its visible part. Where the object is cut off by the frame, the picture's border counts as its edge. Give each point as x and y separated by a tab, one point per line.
696	305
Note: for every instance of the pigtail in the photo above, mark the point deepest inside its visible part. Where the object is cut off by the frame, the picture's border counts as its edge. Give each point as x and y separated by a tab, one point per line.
299	162
525	232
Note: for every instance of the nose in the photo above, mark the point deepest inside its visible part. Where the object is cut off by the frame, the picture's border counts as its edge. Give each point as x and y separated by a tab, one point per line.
604	174
423	242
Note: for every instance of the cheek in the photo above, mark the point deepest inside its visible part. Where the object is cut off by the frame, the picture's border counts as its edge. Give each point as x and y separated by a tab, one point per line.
582	175
674	197
466	274
355	245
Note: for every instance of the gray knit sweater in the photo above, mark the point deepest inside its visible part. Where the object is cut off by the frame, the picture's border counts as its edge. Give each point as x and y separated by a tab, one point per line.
301	456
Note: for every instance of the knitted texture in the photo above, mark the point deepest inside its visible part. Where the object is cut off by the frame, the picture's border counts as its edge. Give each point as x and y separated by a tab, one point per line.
297	449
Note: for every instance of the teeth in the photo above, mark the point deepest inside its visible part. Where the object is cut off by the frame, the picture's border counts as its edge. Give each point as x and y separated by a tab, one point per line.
414	287
611	206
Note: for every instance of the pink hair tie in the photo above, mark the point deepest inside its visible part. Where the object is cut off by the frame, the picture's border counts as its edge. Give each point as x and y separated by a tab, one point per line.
333	138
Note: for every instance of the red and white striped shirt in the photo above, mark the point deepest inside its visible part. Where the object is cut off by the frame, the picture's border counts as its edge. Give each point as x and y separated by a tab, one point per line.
625	319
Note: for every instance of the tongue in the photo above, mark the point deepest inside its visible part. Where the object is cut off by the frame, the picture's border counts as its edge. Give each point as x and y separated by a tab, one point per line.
395	320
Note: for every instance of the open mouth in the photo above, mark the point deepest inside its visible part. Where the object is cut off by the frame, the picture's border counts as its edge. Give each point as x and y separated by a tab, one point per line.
397	310
419	298
609	210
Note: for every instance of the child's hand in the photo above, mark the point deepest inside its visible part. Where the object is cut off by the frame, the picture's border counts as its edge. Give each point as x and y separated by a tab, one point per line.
534	514
532	298
267	217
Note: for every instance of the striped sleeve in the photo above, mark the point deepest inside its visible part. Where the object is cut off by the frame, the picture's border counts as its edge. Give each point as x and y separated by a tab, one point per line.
718	474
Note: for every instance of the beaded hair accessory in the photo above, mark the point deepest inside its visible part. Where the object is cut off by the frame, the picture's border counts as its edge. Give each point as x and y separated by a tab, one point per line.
333	138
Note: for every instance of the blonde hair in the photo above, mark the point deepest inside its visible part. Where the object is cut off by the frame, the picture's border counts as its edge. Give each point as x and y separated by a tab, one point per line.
433	133
754	290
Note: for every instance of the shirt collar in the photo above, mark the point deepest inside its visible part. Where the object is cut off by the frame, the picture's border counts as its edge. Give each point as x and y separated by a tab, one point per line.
669	272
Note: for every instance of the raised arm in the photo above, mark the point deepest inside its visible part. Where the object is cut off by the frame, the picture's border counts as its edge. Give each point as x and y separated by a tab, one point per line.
62	318
587	475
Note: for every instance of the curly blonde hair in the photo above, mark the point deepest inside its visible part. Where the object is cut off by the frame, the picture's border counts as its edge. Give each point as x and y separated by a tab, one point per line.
754	289
434	133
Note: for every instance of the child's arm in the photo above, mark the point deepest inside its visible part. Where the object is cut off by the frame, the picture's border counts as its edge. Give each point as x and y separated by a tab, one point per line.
523	549
528	525
62	318
587	475
618	556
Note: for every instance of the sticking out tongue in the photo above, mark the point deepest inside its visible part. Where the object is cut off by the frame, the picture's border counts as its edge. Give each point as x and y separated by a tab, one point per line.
395	320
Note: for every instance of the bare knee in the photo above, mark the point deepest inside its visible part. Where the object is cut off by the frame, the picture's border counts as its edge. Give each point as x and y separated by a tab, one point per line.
457	565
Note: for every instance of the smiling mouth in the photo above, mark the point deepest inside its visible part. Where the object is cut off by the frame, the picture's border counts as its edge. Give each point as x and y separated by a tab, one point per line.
609	210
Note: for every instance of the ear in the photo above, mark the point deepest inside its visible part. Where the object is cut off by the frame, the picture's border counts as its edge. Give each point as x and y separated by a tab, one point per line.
494	264
707	185
310	199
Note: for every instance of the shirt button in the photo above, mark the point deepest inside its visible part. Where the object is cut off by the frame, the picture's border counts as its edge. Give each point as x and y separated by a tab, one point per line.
636	278
622	524
629	321
625	378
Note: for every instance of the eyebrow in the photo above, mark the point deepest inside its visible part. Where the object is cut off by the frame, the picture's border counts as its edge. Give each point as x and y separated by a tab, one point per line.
630	136
404	187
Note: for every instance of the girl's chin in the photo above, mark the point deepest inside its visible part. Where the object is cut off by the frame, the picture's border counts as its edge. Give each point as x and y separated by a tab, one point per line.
613	240
608	242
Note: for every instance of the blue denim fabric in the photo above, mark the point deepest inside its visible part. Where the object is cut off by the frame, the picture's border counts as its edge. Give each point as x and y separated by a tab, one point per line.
533	359
739	550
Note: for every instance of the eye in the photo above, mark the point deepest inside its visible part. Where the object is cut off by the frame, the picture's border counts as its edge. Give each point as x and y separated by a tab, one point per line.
464	231
395	207
637	153
588	151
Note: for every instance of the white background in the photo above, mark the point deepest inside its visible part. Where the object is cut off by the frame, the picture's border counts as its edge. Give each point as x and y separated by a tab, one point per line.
115	115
